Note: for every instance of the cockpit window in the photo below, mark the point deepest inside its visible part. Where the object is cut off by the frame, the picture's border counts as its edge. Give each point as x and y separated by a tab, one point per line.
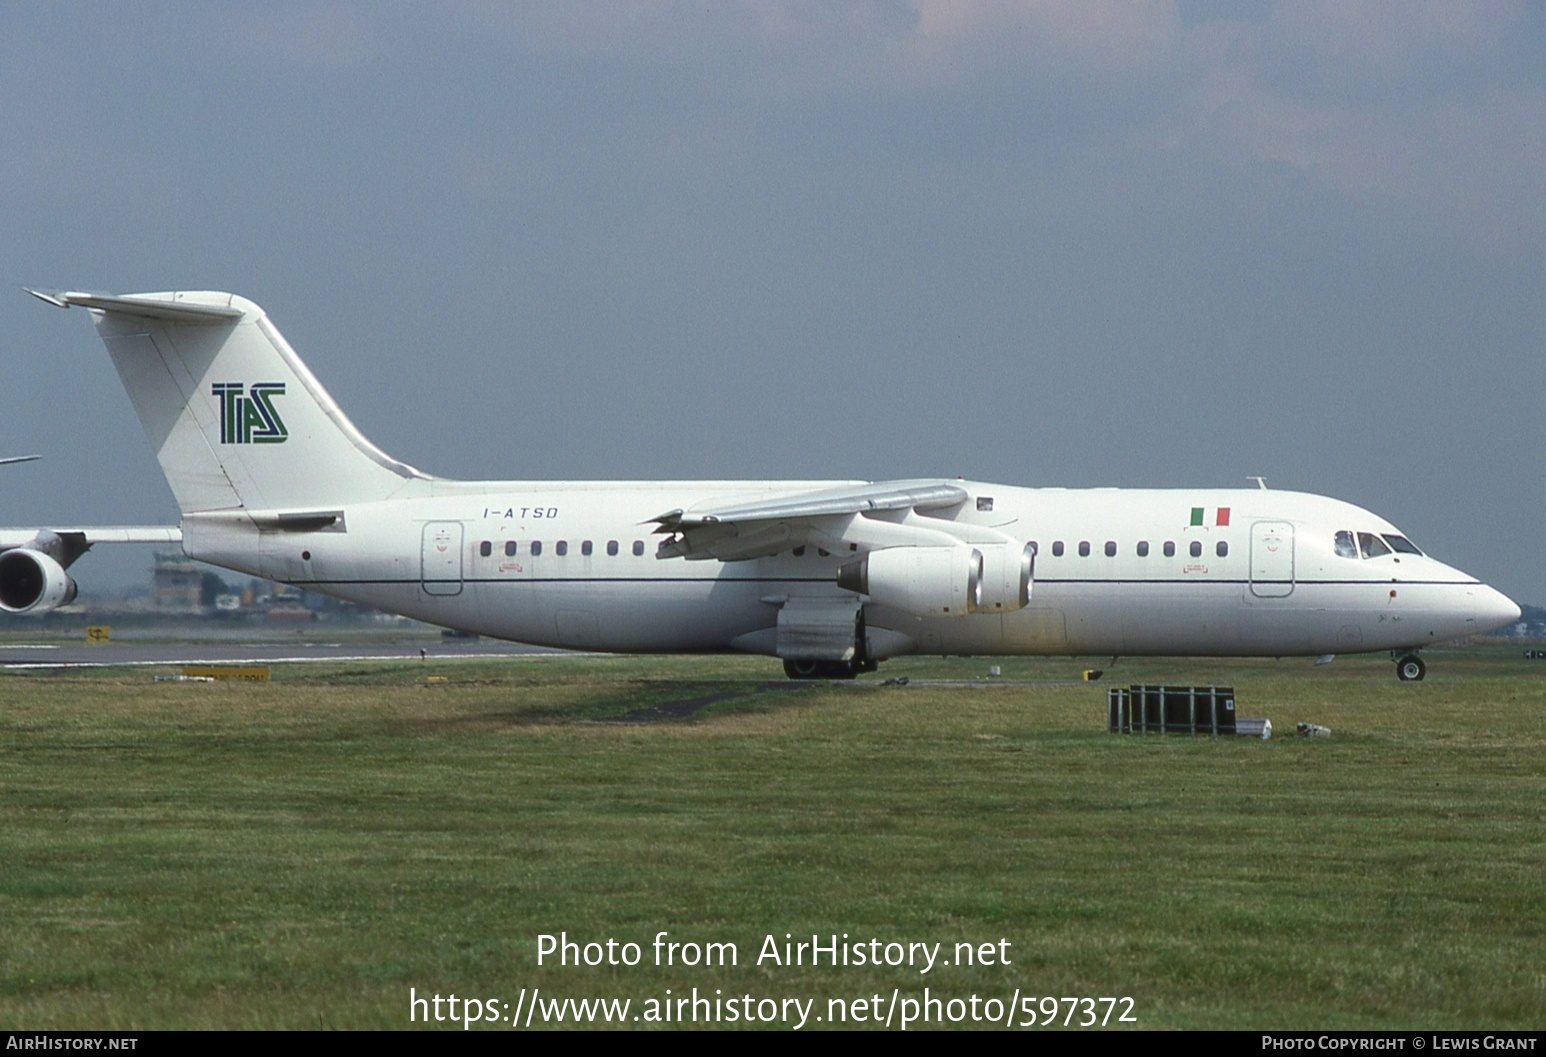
1371	545
1400	544
1346	548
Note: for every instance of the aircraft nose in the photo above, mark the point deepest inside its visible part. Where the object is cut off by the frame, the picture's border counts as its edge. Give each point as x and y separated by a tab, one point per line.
1494	609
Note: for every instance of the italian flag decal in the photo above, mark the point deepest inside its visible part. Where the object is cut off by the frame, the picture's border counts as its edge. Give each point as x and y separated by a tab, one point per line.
1220	516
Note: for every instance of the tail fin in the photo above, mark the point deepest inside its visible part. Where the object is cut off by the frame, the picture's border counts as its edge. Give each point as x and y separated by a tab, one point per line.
235	418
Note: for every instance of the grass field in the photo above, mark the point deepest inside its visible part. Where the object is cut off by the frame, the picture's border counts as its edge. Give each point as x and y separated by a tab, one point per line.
302	852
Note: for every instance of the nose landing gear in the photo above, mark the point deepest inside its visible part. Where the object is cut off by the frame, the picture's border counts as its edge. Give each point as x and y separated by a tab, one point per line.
1410	667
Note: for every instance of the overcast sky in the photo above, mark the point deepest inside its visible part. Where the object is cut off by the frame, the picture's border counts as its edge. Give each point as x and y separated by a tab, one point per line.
1043	243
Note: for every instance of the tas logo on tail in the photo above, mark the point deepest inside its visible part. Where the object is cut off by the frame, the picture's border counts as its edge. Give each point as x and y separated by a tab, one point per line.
247	413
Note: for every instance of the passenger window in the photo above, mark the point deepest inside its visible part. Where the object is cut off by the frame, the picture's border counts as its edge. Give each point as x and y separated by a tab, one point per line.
1401	544
1222	550
611	548
561	548
1084	548
1196	548
1345	546
1057	548
1111	548
509	548
1143	548
486	548
536	548
585	548
1371	545
638	548
1170	549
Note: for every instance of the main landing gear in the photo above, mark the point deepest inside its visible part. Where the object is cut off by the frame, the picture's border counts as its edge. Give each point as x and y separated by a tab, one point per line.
828	669
1409	667
859	661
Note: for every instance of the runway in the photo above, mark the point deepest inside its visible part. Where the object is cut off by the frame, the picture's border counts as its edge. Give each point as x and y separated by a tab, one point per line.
116	654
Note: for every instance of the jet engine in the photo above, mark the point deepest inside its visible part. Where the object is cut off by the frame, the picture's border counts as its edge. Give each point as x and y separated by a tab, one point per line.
32	582
1006	577
923	581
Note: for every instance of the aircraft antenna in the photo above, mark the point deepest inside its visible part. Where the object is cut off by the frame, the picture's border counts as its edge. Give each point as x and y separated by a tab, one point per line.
1261	482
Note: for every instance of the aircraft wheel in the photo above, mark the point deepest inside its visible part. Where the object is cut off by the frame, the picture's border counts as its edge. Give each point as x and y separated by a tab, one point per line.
803	669
807	669
1411	669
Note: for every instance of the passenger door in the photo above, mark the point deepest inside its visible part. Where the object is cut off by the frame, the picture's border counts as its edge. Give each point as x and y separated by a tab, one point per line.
1272	559
441	558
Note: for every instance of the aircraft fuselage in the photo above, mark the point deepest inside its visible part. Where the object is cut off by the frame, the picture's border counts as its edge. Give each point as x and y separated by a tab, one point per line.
1117	571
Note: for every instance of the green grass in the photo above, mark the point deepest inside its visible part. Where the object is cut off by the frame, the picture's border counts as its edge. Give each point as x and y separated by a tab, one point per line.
302	852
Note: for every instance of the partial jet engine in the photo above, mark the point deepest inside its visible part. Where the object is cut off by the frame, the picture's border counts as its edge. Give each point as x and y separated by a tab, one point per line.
32	582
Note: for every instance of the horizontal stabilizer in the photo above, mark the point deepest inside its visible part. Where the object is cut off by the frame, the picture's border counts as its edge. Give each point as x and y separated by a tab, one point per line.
175	306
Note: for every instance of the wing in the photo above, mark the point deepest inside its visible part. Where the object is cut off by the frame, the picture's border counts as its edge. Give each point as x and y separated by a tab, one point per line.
739	531
39	539
897	543
33	561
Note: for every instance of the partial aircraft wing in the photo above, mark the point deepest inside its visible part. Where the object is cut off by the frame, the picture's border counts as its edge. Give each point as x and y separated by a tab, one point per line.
83	538
767	526
33	561
902	542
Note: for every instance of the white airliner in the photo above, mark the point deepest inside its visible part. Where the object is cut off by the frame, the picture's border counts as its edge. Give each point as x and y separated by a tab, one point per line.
33	561
831	576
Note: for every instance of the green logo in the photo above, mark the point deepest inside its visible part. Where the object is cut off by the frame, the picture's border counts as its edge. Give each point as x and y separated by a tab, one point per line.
247	414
